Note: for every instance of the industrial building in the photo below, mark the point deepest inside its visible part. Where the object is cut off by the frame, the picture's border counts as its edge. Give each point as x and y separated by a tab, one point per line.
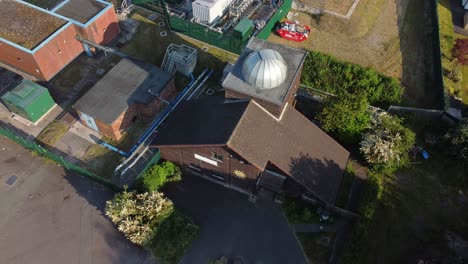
28	100
131	90
239	144
254	140
207	11
39	43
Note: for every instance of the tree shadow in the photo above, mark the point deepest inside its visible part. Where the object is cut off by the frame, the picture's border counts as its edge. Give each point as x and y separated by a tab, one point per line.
106	244
321	178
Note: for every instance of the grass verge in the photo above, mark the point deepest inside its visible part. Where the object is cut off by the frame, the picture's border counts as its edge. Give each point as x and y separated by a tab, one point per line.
317	246
52	133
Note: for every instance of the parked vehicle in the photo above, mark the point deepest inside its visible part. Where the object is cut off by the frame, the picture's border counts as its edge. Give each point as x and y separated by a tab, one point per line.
294	31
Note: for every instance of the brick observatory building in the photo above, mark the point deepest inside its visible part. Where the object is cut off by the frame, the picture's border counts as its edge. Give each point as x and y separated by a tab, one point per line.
254	140
39	43
131	90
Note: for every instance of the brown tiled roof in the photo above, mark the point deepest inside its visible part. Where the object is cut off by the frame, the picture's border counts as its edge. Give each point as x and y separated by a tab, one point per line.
292	143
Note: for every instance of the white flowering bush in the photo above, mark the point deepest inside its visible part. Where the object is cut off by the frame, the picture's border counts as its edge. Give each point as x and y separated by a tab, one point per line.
387	142
138	215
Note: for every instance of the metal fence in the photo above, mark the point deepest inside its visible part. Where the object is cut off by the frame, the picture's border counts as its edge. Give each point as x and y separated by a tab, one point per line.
44	152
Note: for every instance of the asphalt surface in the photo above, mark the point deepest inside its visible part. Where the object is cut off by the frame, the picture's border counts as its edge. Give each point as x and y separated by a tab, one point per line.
49	216
231	226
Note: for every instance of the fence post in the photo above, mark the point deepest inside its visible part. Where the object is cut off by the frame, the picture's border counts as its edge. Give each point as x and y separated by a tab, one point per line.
63	163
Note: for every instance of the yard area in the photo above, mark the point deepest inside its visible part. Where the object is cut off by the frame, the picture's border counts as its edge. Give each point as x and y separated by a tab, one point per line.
378	35
148	33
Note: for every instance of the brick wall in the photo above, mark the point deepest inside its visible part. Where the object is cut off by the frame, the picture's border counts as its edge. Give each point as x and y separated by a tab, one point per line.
149	111
185	155
19	59
104	29
58	53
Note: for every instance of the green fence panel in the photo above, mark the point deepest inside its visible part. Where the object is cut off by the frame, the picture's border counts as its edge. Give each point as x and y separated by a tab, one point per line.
44	152
280	13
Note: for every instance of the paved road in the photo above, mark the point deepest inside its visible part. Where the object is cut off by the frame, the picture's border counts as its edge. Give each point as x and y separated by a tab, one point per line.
232	226
48	216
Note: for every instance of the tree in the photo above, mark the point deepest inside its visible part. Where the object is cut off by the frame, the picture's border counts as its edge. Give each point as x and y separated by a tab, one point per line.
139	215
457	139
157	175
346	116
387	143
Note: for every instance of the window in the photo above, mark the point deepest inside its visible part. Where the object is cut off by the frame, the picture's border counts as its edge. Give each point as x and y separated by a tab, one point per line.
194	166
216	156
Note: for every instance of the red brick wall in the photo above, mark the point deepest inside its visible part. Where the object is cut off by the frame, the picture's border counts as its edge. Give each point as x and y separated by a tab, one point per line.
231	162
58	53
104	29
168	93
19	59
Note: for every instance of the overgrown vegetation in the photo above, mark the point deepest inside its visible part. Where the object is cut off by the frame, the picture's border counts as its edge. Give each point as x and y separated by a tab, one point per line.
346	116
299	212
386	144
455	146
453	67
173	237
331	75
370	200
460	51
139	215
52	133
149	219
157	175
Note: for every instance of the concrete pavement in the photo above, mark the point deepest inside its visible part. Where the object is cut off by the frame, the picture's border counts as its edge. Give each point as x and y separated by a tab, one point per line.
50	216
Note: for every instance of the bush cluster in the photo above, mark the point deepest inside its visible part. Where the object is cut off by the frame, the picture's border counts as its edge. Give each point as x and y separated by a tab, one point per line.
157	175
331	75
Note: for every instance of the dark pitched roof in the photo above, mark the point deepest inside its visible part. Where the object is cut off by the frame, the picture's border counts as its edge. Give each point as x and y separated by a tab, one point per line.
207	121
292	143
127	83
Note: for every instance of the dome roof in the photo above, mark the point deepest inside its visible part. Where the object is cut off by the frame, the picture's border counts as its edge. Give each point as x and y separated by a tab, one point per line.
264	69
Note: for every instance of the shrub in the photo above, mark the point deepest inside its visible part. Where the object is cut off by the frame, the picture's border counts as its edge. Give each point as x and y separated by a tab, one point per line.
371	196
460	51
345	116
138	215
157	175
457	142
326	73
173	237
387	143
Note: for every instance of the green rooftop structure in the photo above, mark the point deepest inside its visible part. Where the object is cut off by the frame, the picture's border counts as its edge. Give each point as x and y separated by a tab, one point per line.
244	28
29	100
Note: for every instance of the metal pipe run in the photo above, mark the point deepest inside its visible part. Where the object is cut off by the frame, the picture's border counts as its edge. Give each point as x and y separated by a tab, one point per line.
129	155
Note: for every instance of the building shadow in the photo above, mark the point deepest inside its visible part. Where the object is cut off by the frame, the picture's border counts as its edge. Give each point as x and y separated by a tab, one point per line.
420	49
107	244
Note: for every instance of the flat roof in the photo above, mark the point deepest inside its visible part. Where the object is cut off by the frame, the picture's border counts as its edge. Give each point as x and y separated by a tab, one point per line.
25	25
46	4
129	82
293	58
24	93
80	10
